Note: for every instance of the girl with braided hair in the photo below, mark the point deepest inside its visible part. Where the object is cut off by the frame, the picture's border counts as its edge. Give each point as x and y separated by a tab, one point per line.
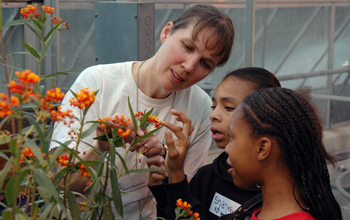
276	142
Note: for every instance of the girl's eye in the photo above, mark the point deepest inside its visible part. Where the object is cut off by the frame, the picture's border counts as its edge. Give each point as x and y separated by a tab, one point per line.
229	108
213	107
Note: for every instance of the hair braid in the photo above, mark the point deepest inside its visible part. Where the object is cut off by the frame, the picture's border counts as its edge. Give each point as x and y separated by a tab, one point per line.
292	120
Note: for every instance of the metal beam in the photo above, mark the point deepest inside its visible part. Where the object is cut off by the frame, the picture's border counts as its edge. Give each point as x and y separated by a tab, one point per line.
296	39
249	33
313	74
258	36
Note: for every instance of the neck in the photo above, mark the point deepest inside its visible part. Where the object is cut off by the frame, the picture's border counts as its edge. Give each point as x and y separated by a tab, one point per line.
278	197
147	79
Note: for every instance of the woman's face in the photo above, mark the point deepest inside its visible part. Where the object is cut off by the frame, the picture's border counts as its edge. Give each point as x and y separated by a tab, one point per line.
228	95
242	151
181	61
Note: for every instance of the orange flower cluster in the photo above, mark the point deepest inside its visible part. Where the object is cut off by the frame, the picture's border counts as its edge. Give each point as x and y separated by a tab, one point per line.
82	208
22	88
59	115
186	206
122	130
53	95
139	115
63	160
47	9
5	107
84	99
27	77
153	119
30	11
103	126
85	174
28	153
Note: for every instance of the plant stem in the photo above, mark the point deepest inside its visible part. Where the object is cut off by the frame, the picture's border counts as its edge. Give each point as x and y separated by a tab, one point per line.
4	62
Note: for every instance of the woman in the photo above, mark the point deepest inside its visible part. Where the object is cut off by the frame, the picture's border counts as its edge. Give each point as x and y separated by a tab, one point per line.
192	46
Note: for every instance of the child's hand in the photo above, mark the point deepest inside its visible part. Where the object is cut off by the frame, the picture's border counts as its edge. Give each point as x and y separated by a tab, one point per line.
176	156
156	177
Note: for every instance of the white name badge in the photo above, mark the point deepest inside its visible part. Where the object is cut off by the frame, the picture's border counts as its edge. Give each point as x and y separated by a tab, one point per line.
221	205
133	191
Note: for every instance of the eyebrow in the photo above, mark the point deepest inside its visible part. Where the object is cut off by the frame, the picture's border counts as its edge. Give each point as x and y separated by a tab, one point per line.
228	99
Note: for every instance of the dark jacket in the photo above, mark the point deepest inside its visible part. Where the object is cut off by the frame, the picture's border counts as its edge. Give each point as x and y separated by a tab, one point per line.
209	186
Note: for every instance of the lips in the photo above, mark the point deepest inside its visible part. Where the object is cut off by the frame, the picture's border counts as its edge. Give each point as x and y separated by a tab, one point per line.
217	134
176	77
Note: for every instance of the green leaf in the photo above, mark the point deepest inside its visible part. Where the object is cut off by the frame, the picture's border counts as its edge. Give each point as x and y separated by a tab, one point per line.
37	24
43	143
32	145
112	152
12	189
145	136
56	74
145	170
52	31
31	50
73	205
6	214
58	151
13	146
32	29
75	95
132	116
89	131
123	162
20	53
4	155
117	198
45	183
11	66
144	119
107	213
15	23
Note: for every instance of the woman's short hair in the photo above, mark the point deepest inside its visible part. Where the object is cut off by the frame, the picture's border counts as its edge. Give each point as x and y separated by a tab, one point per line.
207	16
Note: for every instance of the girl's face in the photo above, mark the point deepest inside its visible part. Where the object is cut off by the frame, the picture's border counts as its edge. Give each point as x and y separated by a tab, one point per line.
228	95
243	152
181	61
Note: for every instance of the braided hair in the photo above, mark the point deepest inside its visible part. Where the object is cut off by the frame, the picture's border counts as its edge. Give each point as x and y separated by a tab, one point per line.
292	120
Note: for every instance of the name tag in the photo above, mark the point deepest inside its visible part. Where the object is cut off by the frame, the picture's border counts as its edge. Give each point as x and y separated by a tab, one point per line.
133	191
221	205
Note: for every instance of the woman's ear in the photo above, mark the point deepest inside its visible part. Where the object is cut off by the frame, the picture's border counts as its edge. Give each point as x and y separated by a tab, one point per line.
166	31
264	148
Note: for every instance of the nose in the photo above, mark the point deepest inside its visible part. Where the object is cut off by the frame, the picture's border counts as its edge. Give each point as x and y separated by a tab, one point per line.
214	115
189	64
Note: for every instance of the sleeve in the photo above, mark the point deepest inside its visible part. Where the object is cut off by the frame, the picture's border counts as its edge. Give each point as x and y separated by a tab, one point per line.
161	198
174	192
200	143
89	78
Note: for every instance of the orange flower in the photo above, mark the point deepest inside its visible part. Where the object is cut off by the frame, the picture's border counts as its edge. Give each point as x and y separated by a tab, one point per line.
84	99
54	95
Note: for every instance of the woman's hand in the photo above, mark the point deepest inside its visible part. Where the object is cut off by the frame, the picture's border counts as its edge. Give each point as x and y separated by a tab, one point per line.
156	177
176	156
104	145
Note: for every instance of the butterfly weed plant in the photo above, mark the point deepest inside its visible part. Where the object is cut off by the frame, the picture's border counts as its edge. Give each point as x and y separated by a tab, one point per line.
34	182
